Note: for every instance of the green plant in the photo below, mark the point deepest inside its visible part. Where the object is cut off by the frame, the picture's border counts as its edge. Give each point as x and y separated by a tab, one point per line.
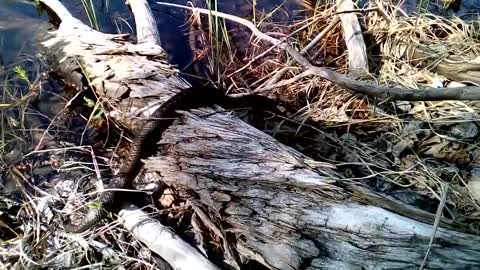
90	10
22	73
218	38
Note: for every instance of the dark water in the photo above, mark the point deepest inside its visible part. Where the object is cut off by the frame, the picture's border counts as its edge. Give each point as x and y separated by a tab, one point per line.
20	19
17	23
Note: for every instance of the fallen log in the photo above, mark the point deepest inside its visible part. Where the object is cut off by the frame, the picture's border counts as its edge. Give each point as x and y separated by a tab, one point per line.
290	211
266	201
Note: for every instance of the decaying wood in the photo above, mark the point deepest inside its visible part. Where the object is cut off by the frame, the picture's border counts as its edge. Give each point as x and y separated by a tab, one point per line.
291	211
276	206
163	241
357	52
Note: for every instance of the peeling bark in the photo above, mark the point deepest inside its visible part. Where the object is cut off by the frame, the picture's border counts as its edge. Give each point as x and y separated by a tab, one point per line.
274	204
294	212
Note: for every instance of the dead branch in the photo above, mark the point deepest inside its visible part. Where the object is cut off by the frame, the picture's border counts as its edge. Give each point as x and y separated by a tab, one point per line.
357	53
163	241
367	88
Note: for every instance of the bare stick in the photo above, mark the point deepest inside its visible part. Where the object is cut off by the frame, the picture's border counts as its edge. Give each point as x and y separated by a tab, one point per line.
320	35
272	83
162	241
367	88
357	53
270	49
147	31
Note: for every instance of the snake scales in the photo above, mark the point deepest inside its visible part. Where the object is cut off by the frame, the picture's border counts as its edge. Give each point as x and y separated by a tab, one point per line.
150	133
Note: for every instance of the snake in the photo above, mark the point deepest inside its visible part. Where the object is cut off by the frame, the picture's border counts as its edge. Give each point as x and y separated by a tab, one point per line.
150	133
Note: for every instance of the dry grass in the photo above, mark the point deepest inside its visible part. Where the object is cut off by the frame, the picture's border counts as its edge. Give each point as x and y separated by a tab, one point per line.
40	165
410	151
399	148
447	150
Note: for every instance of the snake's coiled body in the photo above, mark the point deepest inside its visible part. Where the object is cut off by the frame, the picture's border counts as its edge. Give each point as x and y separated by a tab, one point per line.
150	133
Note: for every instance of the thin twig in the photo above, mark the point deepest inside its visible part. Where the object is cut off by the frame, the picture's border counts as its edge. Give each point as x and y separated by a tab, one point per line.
367	88
320	35
270	49
272	83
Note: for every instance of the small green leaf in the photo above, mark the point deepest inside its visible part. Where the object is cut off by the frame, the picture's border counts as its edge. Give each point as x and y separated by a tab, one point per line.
90	103
94	205
21	73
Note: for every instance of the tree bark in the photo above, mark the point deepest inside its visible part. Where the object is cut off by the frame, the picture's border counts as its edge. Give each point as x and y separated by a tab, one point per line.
266	201
294	212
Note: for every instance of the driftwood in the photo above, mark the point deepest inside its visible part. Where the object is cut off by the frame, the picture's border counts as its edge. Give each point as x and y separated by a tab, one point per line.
357	52
163	241
454	69
266	201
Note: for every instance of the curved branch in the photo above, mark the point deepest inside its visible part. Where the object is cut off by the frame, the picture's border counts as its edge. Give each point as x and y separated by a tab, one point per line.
370	89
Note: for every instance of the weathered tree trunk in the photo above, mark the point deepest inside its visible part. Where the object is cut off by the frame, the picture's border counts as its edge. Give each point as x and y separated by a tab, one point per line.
266	201
357	51
293	212
132	80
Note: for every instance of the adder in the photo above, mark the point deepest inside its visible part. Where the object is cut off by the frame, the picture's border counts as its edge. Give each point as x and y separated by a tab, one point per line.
151	132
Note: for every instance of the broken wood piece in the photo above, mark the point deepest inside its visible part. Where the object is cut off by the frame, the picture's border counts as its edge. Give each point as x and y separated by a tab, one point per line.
357	52
163	241
278	207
